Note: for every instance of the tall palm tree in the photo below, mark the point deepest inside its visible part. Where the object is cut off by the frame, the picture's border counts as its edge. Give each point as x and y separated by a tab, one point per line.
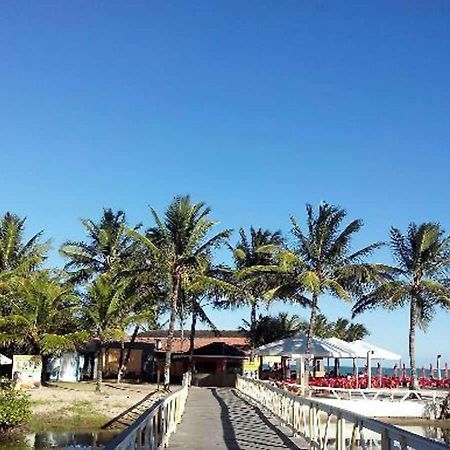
178	243
252	251
42	320
107	246
421	281
322	262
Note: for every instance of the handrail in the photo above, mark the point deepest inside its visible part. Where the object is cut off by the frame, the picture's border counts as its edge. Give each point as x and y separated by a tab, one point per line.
320	423
154	427
401	394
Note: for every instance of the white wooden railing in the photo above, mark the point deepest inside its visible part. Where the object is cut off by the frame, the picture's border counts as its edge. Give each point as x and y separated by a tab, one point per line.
399	395
154	427
329	427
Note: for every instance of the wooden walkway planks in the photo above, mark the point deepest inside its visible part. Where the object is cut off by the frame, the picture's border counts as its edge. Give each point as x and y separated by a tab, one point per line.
218	418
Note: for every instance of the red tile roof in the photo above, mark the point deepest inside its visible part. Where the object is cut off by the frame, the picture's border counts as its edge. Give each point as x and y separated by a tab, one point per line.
202	337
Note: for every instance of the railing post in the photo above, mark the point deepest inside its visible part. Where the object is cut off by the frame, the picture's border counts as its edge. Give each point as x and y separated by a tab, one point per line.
385	440
139	440
340	433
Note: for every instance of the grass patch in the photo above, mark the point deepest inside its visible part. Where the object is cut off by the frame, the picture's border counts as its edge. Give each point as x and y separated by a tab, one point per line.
79	422
78	416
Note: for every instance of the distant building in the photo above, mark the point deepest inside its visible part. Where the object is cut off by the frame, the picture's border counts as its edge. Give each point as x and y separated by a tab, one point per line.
217	356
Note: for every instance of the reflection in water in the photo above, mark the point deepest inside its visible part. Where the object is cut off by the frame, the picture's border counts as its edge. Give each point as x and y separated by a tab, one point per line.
63	440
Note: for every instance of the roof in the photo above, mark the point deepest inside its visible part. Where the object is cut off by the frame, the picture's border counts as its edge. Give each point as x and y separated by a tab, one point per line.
202	338
219	349
198	333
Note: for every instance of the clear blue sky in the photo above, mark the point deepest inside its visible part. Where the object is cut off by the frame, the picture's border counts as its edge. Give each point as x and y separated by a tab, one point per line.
254	107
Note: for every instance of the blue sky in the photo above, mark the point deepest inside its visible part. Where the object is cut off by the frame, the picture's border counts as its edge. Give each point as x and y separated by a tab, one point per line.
254	107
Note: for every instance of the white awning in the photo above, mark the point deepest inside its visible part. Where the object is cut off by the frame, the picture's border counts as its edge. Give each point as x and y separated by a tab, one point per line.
296	346
360	349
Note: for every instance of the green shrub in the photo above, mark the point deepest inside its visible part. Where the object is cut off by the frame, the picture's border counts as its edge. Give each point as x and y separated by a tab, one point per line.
14	408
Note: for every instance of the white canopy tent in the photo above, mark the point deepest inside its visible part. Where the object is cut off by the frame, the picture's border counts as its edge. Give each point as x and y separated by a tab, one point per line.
364	350
296	346
4	360
361	348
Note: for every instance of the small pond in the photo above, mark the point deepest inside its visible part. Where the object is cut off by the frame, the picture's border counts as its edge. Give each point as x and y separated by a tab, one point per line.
62	440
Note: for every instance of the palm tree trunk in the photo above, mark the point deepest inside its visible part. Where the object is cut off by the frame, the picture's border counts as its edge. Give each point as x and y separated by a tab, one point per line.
45	360
98	386
172	320
121	357
125	357
412	344
192	339
253	320
311	328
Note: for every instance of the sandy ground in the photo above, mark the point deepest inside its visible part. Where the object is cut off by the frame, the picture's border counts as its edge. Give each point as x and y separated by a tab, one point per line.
78	400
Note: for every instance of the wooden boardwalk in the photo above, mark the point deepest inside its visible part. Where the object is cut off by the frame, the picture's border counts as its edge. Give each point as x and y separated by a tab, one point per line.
219	418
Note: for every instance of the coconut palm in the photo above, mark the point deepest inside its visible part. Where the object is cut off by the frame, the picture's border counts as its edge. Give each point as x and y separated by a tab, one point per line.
205	287
178	243
341	328
17	255
323	328
322	262
107	309
42	319
107	246
251	251
268	329
348	331
15	252
421	282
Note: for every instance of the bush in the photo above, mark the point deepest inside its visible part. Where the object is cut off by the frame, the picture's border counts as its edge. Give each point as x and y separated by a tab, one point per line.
14	408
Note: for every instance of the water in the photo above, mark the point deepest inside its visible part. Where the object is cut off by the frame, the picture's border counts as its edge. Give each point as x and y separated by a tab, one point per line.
434	432
62	440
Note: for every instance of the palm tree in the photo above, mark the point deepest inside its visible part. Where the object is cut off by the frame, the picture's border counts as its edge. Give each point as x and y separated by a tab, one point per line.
255	250
178	243
323	328
268	329
108	246
341	328
15	254
208	286
423	260
42	318
322	263
107	309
